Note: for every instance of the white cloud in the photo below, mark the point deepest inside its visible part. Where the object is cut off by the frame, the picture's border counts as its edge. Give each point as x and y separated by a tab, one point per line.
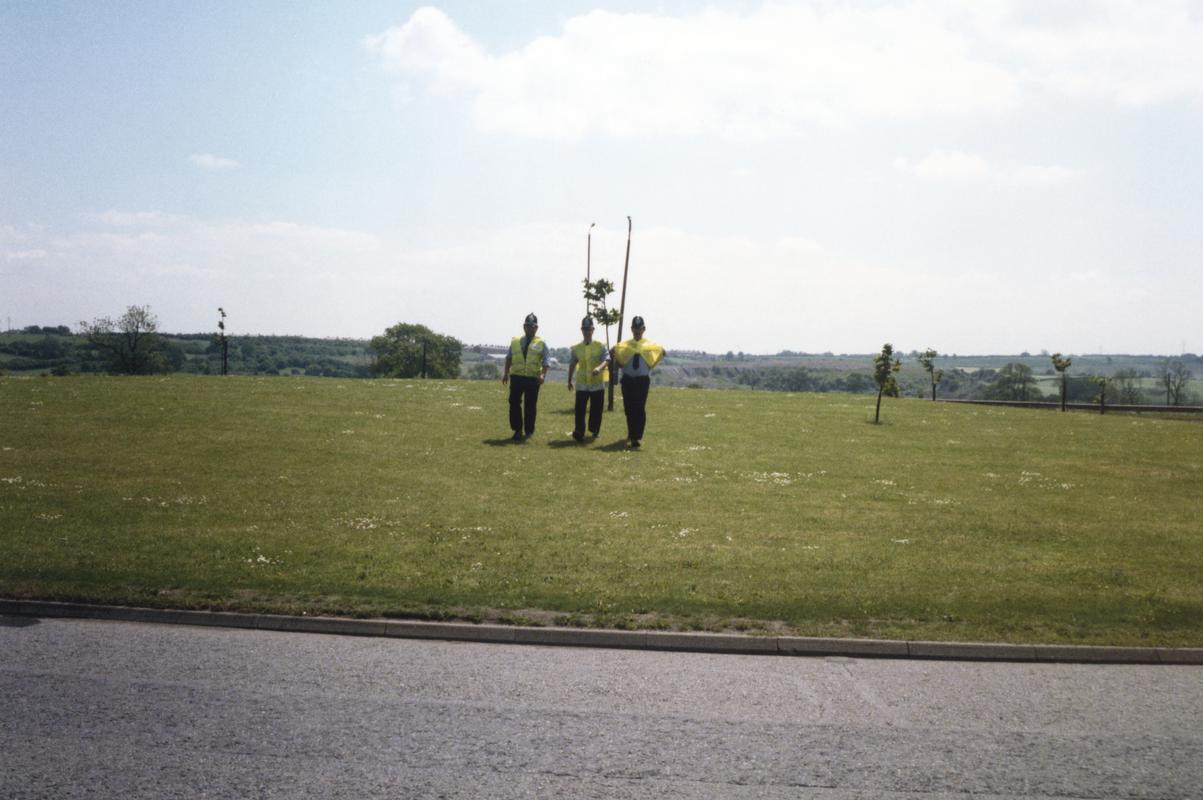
954	166
212	162
26	255
782	67
1132	52
748	77
125	219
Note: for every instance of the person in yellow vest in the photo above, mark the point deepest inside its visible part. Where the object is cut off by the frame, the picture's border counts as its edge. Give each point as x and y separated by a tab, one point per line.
590	364
527	363
637	357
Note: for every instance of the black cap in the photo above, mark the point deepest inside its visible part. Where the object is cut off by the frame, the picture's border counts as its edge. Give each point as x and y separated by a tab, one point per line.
587	322
531	319
637	322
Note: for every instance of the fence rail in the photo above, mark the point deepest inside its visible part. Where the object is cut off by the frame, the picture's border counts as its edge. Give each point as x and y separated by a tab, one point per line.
1078	406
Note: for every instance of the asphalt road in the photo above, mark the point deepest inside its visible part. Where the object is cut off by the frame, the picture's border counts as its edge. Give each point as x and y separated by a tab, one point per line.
126	710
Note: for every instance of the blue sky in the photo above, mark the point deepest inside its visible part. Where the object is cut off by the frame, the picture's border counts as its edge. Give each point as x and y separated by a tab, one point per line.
978	178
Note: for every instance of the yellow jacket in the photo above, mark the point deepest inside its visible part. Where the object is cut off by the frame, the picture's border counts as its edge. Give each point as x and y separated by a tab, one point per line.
651	352
588	356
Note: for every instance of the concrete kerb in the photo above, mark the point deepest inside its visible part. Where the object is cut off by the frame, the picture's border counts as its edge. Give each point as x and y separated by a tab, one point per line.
638	640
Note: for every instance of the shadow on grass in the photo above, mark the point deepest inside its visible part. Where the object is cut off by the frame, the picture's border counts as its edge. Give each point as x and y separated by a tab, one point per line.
502	442
562	443
615	447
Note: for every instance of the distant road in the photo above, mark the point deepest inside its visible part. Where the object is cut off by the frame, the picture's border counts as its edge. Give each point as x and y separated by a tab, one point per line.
124	710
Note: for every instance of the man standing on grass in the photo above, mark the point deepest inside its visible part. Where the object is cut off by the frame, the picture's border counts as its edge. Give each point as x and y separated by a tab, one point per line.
528	361
589	362
637	357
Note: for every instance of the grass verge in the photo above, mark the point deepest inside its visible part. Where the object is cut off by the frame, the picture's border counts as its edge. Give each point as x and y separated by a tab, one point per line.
744	511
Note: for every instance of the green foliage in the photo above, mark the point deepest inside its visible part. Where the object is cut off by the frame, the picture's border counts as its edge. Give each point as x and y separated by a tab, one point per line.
223	344
1102	382
596	294
1013	382
928	360
129	345
1061	364
885	367
406	351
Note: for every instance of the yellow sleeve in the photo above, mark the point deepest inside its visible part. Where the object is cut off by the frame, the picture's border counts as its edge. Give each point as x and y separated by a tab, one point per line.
652	353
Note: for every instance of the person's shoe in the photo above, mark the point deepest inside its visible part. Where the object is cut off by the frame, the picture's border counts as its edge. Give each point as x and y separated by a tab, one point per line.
580	437
634	443
517	437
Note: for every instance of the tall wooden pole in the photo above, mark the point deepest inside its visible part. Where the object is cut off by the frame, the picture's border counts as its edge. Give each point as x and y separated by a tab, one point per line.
588	258
622	310
622	304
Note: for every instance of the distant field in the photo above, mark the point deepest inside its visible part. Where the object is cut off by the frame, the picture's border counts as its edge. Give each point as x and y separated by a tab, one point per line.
756	511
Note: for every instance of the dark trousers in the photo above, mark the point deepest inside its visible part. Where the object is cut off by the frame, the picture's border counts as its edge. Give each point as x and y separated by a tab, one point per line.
593	400
634	404
524	403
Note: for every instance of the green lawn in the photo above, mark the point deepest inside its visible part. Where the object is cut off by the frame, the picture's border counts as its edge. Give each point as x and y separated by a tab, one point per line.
754	511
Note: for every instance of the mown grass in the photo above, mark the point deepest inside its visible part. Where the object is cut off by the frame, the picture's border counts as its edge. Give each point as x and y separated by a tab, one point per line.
755	511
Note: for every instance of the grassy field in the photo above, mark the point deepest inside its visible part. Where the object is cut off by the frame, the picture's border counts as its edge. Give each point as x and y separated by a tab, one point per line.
751	511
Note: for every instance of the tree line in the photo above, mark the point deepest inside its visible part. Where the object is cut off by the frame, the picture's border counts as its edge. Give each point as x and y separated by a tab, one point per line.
132	344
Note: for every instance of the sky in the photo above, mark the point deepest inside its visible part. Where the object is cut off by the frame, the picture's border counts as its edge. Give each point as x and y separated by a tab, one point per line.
989	177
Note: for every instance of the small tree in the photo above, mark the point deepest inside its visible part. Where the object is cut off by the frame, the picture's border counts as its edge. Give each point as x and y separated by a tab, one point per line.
927	359
1061	364
222	342
596	293
1175	377
885	366
407	351
1101	381
130	345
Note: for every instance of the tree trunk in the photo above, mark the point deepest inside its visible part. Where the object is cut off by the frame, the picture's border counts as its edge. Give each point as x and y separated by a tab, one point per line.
877	414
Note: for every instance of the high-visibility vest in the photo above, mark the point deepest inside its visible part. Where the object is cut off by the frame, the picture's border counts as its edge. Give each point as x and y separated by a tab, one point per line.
589	356
530	365
649	350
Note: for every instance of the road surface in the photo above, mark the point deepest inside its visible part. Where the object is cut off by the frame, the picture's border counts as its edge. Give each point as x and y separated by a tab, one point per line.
125	710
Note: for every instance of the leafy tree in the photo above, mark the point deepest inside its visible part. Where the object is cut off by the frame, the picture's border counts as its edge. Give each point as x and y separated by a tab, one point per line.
1013	382
596	293
1101	381
1061	364
223	343
406	351
927	359
1175	377
130	345
885	366
1127	383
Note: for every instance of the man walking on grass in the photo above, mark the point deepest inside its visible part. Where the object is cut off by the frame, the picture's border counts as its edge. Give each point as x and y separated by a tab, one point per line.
637	357
589	363
527	362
